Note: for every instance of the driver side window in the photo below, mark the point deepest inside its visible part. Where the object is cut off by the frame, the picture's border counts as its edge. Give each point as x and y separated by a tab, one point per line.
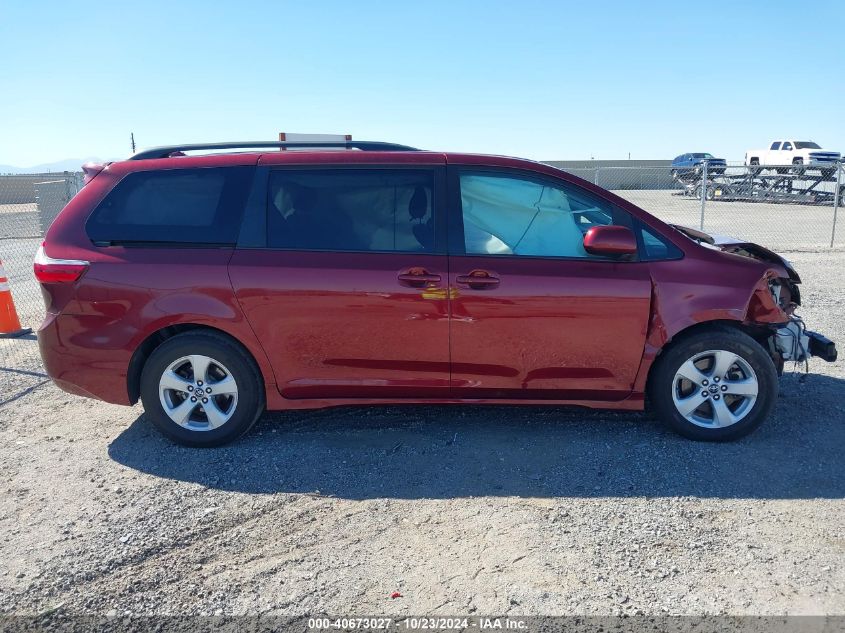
515	215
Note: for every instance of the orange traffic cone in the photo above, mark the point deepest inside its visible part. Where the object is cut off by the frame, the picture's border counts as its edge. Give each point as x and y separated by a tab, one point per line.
10	325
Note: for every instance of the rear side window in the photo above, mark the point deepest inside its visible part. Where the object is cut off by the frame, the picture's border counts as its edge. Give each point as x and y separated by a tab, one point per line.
180	206
351	210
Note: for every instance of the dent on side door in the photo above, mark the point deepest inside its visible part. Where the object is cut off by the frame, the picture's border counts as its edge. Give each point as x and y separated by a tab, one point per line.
543	327
556	330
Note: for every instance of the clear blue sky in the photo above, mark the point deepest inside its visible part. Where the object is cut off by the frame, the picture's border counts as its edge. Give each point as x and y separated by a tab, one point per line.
545	80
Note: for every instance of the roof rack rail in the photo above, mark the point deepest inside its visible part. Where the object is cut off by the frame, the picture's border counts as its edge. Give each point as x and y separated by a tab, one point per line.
369	146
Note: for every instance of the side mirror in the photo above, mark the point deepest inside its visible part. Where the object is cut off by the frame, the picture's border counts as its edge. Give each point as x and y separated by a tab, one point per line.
610	240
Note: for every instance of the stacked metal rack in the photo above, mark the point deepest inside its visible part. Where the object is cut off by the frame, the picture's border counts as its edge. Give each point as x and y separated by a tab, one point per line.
795	184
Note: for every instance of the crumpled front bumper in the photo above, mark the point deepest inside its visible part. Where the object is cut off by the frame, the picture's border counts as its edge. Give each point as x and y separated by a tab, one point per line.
822	347
793	342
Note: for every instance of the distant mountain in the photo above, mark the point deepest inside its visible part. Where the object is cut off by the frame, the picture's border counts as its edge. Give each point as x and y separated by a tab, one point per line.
69	164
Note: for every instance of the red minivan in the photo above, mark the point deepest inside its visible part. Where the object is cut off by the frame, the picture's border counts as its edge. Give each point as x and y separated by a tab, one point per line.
214	286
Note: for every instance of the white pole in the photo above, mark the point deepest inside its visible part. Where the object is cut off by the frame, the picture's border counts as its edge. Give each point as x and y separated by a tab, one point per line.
703	192
836	201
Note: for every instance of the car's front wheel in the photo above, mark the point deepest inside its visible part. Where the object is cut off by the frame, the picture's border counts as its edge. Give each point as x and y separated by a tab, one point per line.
201	389
715	385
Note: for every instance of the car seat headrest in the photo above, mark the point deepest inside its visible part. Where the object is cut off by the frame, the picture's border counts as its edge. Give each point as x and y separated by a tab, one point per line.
418	206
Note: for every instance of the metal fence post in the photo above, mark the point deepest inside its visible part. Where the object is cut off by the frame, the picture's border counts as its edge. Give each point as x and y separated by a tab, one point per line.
703	193
836	201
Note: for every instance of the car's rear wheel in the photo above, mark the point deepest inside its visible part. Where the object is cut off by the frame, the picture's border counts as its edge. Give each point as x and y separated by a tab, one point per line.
201	389
715	385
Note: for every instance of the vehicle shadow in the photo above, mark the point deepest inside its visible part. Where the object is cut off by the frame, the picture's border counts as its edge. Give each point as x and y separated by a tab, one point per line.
412	452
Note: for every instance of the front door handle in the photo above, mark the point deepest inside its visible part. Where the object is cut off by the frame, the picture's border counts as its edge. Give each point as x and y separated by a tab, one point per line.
478	280
417	277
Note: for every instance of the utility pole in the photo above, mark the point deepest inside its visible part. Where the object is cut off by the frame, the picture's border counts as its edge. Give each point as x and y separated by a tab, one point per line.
132	140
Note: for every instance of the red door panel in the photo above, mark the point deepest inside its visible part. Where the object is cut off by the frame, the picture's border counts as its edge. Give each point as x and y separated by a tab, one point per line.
348	325
545	328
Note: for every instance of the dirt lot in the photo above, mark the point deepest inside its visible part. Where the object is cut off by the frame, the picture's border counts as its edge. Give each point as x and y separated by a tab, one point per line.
462	510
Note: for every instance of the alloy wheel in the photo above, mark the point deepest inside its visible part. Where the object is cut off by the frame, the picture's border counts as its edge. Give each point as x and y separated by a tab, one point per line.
198	393
715	389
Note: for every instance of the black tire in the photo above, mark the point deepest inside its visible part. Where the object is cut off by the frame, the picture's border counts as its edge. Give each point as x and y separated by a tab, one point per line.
230	355
662	383
710	191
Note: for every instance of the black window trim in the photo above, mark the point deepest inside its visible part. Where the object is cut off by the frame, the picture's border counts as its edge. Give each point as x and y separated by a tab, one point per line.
257	213
457	244
253	233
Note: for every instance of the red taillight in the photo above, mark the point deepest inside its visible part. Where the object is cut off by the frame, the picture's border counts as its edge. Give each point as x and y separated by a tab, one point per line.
57	271
90	170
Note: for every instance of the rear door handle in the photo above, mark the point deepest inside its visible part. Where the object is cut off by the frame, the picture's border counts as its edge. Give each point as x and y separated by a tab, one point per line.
478	280
418	277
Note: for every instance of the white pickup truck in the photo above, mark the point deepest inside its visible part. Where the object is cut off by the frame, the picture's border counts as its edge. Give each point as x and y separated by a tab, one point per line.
805	153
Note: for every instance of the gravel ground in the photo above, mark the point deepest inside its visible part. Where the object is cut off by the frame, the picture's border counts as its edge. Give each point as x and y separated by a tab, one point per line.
518	510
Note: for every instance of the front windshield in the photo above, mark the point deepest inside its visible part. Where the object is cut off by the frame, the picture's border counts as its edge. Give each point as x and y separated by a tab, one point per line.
806	145
705	155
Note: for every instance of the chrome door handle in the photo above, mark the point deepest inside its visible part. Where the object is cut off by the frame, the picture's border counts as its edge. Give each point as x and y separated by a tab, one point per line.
418	277
478	280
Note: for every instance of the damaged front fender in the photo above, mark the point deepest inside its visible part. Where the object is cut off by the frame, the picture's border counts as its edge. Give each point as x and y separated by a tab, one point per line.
754	297
771	300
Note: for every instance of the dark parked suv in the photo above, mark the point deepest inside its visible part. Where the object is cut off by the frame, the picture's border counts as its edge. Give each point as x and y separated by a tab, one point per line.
215	286
689	165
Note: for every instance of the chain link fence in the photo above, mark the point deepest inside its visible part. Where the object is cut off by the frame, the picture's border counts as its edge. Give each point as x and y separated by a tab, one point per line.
28	204
785	208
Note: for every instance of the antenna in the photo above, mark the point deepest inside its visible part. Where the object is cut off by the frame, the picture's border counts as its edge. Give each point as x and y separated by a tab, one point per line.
132	140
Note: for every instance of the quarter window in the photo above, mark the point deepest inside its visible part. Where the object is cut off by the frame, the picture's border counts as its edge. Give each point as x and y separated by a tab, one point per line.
184	206
507	215
351	210
656	248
